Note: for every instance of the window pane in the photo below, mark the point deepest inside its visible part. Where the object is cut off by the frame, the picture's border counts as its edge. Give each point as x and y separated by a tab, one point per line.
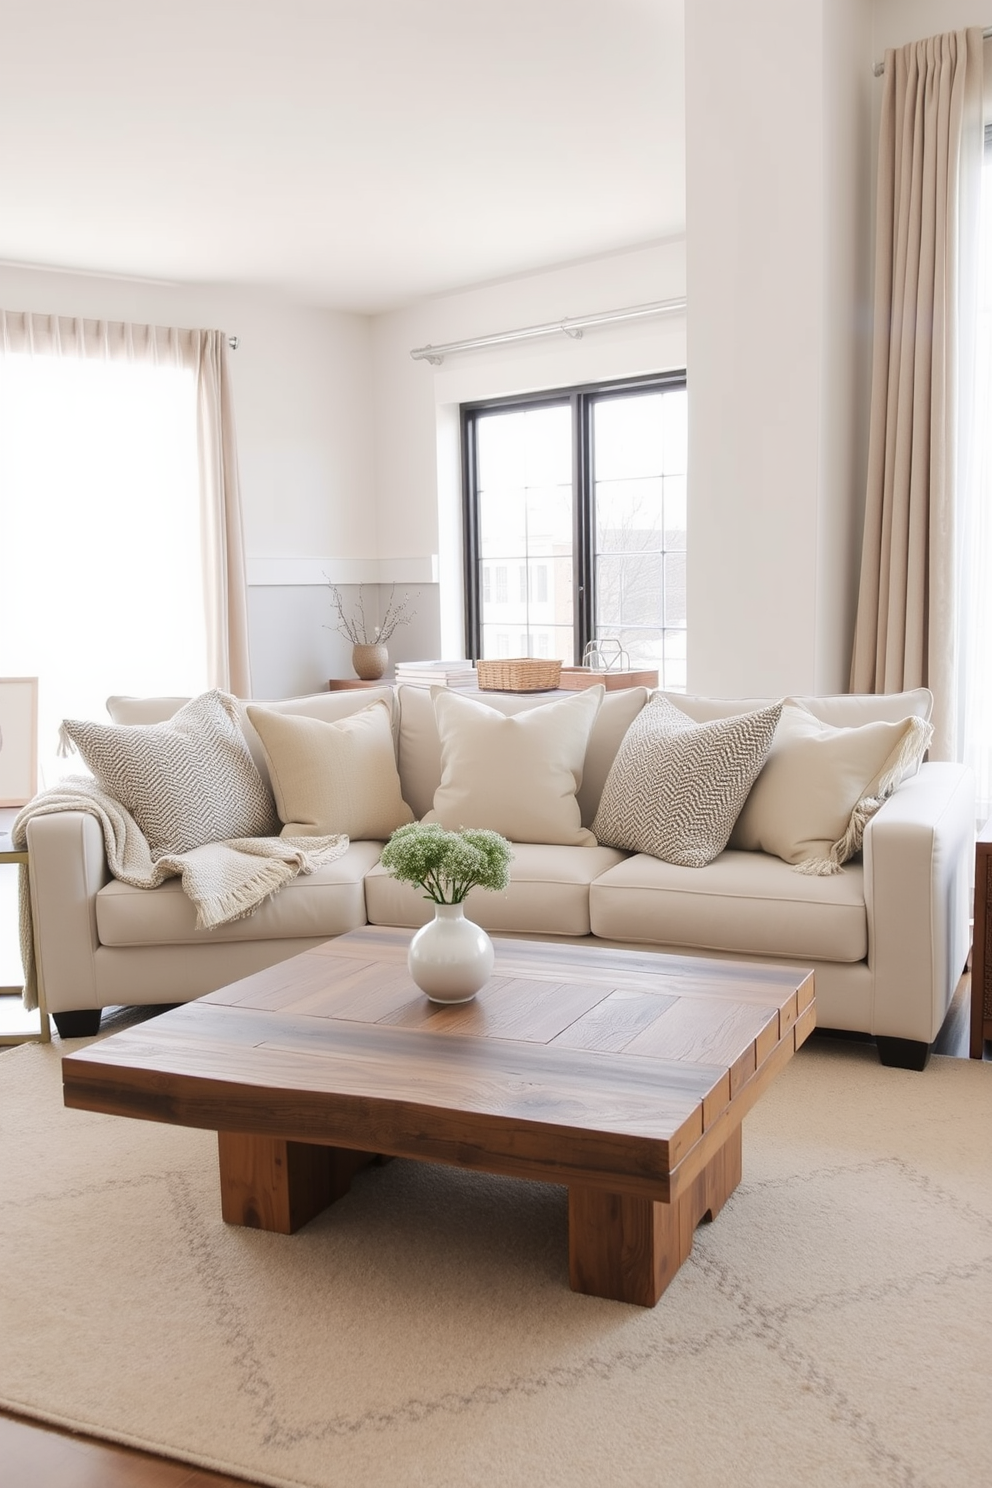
674	589
639	497
675	432
628	436
629	515
526	531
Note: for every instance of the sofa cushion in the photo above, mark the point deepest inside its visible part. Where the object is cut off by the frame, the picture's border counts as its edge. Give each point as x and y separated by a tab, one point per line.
327	902
186	782
548	893
821	784
843	710
420	744
676	786
743	903
123	709
517	776
333	777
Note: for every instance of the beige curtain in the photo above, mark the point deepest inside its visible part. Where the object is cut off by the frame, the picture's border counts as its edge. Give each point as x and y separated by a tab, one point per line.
906	627
205	352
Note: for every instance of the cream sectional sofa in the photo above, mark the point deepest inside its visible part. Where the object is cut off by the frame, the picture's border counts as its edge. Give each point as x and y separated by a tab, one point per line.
888	937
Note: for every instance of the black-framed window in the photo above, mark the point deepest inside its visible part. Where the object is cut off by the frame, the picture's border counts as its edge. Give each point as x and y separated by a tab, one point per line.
575	523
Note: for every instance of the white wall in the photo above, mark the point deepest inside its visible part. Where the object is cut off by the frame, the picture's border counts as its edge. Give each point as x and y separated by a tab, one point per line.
777	125
302	393
896	22
416	405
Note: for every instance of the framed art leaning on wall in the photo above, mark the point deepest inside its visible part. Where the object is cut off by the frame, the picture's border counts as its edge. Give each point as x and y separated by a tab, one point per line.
18	740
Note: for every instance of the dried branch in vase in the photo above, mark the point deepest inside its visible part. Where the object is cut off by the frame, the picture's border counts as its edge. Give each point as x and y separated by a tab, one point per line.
355	626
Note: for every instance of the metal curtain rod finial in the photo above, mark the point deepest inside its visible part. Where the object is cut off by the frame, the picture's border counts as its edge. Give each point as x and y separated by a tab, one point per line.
572	327
234	342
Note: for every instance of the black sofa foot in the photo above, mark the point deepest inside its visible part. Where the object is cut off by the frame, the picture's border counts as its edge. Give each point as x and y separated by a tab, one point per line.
80	1023
898	1053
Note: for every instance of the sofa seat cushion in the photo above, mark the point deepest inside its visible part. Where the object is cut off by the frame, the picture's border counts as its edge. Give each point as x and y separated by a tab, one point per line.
743	902
324	903
548	893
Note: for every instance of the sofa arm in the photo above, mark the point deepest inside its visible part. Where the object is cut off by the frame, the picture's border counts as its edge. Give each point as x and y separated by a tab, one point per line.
918	851
67	865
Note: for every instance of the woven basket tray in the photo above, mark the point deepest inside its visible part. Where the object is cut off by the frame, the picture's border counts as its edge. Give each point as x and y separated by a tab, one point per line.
518	674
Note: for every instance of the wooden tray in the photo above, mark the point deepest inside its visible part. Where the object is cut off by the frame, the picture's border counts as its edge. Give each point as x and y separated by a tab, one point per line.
575	677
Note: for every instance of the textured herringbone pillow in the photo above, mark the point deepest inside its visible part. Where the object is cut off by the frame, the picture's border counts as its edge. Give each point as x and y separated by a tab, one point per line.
333	777
186	782
676	786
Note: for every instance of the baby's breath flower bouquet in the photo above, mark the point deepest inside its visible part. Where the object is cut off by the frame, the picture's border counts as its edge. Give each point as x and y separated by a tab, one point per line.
447	864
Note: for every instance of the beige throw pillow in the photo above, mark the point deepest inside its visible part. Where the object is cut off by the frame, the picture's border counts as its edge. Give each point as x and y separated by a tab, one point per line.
517	775
186	782
821	785
333	777
676	786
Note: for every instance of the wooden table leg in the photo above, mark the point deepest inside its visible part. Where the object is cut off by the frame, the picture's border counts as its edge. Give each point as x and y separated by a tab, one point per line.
629	1249
268	1183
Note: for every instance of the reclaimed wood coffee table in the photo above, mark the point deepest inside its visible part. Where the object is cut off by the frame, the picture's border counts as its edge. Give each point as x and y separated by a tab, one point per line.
624	1075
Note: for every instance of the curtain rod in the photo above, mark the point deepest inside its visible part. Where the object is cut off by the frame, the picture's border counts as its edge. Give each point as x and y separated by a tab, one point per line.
879	67
572	326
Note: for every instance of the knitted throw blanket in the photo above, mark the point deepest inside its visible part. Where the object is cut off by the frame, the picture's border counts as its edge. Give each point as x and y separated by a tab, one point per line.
224	880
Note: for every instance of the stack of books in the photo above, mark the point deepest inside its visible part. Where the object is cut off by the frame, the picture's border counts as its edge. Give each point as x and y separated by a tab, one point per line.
436	673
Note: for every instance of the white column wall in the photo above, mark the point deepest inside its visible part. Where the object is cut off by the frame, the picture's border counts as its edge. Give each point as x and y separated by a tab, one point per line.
777	125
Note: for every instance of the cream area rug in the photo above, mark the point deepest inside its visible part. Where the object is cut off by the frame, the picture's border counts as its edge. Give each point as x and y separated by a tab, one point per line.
833	1326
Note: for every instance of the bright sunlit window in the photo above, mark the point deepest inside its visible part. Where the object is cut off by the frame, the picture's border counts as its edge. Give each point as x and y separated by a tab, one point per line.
102	586
576	522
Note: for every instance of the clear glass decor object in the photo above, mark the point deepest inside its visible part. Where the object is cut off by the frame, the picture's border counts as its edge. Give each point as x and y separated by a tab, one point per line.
451	958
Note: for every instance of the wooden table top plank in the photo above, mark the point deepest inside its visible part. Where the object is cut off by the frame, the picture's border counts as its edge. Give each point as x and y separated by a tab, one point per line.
363	995
698	1029
508	1008
276	985
615	1020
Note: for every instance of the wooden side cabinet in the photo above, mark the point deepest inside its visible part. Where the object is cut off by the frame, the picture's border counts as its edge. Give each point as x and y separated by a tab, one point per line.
981	951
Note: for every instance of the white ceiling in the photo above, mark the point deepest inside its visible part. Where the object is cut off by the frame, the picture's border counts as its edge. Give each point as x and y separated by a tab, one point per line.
359	153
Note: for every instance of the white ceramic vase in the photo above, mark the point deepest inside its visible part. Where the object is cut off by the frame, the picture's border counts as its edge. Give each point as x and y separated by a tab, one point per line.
451	957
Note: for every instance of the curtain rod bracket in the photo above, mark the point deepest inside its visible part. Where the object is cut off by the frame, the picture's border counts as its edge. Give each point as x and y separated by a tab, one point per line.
234	342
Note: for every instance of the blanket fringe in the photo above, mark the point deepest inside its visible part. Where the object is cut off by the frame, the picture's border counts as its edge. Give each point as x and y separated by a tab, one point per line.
817	867
909	751
241	902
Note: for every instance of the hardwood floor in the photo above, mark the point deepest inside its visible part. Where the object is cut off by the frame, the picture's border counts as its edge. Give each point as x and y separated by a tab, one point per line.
35	1456
38	1456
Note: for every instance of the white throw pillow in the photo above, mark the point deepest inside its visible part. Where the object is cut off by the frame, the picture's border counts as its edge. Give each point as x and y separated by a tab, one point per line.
676	786
186	782
820	786
516	775
333	777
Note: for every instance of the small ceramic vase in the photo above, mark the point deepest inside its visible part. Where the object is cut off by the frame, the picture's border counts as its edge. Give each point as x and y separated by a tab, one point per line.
451	958
369	661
